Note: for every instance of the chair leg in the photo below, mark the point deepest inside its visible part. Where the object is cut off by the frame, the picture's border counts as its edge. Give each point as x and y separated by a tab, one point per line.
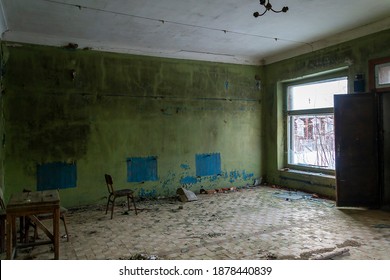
112	207
135	207
128	202
108	203
66	229
26	230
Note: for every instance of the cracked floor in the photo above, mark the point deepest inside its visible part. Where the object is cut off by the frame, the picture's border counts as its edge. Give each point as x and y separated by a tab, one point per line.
251	223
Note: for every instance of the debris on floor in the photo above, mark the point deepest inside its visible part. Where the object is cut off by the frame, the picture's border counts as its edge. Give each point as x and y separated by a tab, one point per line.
296	195
220	190
271	256
309	254
186	195
292	195
329	256
349	243
140	257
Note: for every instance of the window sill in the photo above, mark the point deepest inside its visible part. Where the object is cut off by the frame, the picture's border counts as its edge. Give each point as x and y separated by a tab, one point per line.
308	173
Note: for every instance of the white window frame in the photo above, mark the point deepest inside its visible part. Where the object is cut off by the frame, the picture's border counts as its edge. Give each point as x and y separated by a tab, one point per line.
288	114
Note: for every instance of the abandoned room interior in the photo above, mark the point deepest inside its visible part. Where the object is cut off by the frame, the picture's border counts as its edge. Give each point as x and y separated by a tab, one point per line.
239	131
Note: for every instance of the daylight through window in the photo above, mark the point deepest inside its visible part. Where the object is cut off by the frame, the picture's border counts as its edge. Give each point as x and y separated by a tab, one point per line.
311	124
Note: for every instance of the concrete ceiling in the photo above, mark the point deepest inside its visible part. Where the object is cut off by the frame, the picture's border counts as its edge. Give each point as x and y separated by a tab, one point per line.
212	30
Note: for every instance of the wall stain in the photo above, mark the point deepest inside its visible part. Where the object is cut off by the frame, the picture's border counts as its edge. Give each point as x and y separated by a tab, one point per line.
189	180
147	193
185	166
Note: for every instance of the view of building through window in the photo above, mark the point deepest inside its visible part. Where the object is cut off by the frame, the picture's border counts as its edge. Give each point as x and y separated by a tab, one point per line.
311	123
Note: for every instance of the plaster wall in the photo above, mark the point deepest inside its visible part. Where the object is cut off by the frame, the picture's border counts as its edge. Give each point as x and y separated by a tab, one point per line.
97	109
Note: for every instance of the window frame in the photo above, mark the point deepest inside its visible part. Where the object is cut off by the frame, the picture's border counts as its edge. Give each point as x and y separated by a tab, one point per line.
321	111
373	72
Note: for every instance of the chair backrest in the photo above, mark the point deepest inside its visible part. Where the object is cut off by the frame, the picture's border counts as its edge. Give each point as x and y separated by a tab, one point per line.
109	183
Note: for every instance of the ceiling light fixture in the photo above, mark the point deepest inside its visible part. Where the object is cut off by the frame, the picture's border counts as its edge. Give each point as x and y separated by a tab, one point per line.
268	7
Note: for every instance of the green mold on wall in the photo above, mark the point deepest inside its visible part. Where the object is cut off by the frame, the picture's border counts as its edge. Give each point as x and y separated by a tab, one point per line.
97	109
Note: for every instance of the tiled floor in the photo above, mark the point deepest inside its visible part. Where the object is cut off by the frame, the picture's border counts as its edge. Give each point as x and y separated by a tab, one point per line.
251	223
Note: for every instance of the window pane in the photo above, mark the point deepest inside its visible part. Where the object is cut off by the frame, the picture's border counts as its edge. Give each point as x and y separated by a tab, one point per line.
315	95
312	141
383	75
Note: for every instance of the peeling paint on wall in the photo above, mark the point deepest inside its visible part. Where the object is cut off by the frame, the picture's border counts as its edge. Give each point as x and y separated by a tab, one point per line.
119	105
236	175
147	193
185	166
188	180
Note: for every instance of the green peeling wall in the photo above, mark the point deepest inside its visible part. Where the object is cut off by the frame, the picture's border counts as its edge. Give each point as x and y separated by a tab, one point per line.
353	56
96	110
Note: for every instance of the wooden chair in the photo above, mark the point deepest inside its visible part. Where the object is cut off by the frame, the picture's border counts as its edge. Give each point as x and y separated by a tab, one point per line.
113	194
49	216
46	216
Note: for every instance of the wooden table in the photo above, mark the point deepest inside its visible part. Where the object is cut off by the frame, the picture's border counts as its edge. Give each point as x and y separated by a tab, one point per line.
29	205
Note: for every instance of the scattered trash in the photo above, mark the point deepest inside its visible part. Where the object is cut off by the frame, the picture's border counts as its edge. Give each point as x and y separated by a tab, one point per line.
215	234
349	243
186	195
141	257
221	190
271	256
257	182
291	195
330	255
296	195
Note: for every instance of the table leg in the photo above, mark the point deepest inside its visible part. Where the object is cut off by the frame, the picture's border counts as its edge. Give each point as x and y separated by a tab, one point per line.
10	235
56	232
2	234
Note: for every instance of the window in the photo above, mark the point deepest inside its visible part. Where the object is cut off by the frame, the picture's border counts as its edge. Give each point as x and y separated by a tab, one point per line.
379	74
310	134
382	78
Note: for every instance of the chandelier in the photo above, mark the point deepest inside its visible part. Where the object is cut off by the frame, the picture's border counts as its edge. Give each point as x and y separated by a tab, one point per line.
268	7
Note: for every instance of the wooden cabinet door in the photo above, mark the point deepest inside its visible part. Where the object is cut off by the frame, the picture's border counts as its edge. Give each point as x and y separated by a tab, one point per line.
356	144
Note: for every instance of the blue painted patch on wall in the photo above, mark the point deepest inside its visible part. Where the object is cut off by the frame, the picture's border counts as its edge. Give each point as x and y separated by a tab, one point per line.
189	180
56	175
185	166
208	164
141	169
147	193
